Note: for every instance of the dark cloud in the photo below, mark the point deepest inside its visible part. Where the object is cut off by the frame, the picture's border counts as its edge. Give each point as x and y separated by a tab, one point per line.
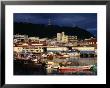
84	20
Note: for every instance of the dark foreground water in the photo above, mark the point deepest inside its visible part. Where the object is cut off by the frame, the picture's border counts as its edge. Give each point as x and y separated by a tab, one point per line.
40	69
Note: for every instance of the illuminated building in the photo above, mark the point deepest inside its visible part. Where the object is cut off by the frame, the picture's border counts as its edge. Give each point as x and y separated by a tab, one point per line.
61	37
91	42
33	39
18	37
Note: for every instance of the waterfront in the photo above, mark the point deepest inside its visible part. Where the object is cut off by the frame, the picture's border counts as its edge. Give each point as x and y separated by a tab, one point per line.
54	46
68	66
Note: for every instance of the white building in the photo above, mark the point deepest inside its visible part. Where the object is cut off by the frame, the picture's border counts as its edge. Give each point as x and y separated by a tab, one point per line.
18	49
84	48
61	37
20	37
57	48
34	50
37	49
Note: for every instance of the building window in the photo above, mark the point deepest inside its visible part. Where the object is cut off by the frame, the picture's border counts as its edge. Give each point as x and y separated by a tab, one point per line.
36	50
32	50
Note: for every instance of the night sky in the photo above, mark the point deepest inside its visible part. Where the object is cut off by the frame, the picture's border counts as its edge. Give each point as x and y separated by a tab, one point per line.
87	21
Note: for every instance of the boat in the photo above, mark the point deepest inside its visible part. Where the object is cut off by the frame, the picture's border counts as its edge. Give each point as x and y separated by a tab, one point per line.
74	69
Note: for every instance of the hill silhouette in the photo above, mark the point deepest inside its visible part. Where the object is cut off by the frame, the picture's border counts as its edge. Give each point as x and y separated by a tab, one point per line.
49	31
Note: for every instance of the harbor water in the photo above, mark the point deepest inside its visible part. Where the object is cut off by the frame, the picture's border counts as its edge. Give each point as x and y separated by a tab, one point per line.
28	68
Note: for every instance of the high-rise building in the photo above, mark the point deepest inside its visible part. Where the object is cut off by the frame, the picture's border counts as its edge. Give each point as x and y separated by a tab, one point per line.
63	33
59	37
64	38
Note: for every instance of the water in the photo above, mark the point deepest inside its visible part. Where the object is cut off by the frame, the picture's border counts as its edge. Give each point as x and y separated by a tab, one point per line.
81	61
32	69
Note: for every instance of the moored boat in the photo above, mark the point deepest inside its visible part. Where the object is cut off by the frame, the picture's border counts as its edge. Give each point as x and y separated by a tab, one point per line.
74	69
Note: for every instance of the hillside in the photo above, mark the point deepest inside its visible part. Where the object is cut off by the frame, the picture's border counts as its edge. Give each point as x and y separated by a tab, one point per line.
49	31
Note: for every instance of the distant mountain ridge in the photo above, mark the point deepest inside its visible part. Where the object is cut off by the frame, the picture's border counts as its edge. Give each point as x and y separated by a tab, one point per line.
49	31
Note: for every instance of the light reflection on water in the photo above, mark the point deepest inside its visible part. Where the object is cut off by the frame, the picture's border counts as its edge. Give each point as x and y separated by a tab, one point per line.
81	61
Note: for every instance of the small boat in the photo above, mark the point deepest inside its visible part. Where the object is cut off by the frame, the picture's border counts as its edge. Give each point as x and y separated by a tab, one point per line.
74	69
